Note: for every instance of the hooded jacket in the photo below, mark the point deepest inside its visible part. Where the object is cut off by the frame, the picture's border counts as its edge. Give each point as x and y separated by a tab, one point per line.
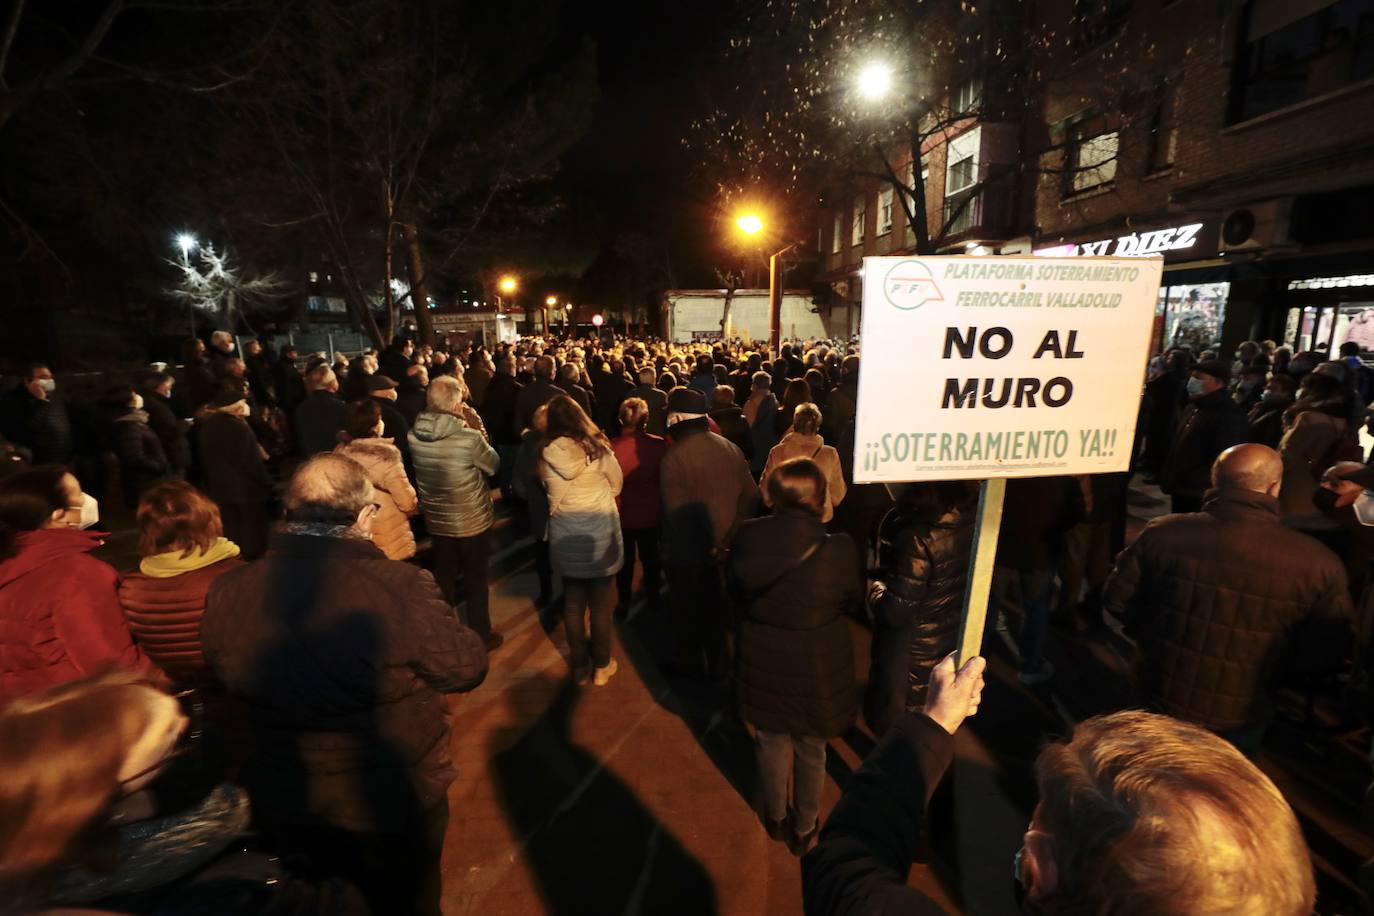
382	462
60	618
584	524
451	459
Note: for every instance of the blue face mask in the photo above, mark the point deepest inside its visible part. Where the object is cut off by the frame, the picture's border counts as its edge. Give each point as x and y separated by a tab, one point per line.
1270	397
1194	387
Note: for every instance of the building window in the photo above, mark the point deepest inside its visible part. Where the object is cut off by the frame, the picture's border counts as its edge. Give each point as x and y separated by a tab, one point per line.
959	213
961	169
1095	21
856	233
1092	157
968	96
1291	54
1163	128
885	211
837	233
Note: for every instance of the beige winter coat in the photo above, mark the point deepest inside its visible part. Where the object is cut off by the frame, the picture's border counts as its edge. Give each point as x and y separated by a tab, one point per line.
382	462
795	445
584	524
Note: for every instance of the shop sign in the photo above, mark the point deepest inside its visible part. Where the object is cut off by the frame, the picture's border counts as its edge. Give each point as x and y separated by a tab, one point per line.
1136	245
1332	282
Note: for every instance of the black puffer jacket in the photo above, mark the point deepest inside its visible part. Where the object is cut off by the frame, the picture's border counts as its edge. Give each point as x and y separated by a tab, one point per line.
341	657
1209	426
796	658
1217	598
917	607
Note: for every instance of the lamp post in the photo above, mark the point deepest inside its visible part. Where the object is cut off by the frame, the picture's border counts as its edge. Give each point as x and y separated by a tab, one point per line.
550	302
187	243
752	224
506	286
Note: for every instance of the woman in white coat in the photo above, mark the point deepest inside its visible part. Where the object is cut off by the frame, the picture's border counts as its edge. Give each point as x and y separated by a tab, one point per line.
583	478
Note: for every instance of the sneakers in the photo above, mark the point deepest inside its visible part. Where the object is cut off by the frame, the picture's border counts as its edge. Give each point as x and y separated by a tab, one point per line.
494	641
1038	676
604	675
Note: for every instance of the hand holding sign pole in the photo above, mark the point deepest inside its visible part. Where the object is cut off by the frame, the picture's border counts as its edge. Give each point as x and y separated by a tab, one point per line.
986	368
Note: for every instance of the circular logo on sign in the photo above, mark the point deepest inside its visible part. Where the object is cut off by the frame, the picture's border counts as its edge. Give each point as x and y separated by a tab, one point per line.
910	285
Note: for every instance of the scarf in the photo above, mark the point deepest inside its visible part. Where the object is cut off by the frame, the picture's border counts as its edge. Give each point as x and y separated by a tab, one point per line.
176	562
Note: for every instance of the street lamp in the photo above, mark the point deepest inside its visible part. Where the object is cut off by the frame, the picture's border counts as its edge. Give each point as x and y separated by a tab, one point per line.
509	284
186	242
751	224
875	81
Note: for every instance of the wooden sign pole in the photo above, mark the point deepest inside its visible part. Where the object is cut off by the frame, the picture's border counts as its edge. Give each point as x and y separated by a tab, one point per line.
990	496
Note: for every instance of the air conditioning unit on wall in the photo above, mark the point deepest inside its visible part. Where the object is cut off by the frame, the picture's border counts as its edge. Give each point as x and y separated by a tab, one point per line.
1257	226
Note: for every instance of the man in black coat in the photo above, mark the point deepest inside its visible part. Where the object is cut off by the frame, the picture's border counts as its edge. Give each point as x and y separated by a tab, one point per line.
383	390
320	416
655	397
498	416
236	477
398	357
35	417
287	381
260	377
341	658
1217	598
1210	424
568	375
730	420
536	393
171	429
412	393
611	388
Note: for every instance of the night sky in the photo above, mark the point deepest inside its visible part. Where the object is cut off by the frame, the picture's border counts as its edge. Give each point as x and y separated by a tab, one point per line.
631	171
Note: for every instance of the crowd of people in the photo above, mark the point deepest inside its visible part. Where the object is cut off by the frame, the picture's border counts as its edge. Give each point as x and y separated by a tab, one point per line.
280	655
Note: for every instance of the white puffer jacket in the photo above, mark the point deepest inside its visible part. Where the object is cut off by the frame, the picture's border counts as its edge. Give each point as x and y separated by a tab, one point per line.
584	525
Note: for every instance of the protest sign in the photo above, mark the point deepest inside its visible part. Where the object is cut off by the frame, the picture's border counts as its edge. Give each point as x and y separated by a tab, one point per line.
980	367
989	368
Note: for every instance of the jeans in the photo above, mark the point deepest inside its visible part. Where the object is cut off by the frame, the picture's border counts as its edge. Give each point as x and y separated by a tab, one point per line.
1033	589
468	555
645	540
579	597
800	757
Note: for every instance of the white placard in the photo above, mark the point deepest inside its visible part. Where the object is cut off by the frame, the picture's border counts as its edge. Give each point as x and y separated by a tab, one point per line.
977	367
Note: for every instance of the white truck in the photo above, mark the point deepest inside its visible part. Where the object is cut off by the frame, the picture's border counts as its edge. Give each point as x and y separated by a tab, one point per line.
695	314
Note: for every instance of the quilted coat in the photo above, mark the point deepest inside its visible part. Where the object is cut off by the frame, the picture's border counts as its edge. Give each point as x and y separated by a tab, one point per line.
341	657
584	524
795	655
382	462
59	614
917	607
451	463
164	614
1215	599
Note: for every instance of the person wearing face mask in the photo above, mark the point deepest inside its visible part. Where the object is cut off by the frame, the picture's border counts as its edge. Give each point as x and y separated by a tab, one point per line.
1210	424
1317	433
1174	800
1266	417
35	417
236	475
60	617
341	658
1218	598
142	461
1345	520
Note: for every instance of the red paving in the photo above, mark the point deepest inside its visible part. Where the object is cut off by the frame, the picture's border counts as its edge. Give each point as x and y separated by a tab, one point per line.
601	800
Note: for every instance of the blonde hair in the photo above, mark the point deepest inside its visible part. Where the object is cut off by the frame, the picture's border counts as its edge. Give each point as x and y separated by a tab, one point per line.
1152	815
634	413
61	752
806	419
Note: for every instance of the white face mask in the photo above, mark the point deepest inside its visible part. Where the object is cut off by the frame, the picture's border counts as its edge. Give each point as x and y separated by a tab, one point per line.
47	384
90	511
1364	508
138	403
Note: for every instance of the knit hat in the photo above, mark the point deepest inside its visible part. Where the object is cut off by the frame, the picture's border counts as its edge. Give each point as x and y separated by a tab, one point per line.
686	400
1216	368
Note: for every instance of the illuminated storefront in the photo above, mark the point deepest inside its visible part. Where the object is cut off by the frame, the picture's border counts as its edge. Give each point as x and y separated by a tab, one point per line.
1196	286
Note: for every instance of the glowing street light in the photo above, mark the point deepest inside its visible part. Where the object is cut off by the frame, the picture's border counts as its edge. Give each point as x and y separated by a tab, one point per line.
186	242
509	284
749	224
875	81
598	320
551	301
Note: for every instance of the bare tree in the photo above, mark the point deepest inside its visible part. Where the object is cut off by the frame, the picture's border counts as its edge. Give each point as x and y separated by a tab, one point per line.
212	282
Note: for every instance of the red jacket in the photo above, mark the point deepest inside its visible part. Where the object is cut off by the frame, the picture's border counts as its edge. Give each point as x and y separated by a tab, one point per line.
60	618
640	455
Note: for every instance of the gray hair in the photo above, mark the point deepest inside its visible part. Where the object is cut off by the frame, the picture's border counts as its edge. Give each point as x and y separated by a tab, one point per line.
445	394
806	419
328	488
